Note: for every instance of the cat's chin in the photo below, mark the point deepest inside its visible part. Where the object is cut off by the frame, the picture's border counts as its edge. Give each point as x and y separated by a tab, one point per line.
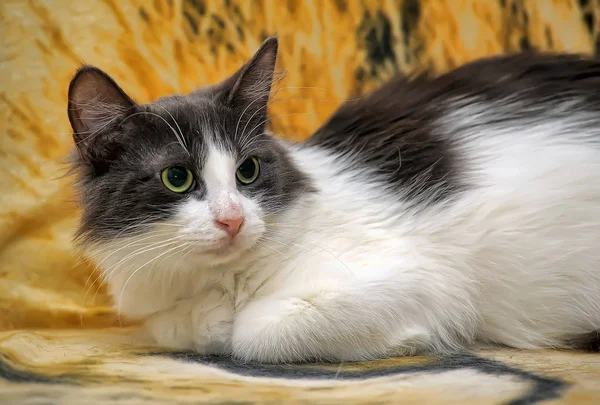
220	257
224	253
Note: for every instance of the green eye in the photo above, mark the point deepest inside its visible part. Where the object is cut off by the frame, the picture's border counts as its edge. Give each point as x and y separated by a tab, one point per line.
178	179
248	171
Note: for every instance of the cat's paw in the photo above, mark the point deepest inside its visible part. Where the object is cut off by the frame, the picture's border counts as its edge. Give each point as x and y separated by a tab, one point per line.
172	329
212	319
279	330
410	341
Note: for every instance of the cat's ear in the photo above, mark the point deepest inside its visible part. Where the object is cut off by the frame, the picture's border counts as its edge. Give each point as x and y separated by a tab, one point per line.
250	86
95	101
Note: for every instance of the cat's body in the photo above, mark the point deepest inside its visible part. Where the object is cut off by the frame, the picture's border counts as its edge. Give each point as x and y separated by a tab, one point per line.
430	215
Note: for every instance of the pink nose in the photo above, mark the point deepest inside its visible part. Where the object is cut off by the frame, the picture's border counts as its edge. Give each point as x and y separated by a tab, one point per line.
230	225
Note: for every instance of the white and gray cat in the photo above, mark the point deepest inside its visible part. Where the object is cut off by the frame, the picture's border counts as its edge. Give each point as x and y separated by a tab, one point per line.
432	214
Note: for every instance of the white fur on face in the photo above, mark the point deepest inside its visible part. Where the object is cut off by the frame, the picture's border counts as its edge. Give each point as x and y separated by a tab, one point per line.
223	201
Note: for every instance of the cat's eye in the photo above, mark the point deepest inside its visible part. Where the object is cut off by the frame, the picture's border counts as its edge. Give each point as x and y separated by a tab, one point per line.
248	171
178	179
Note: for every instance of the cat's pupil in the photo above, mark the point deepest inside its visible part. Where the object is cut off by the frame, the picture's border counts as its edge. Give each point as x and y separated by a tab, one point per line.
177	176
246	169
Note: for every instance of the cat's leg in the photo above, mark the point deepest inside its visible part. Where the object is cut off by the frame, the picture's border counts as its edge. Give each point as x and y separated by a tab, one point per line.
202	324
212	319
354	321
172	328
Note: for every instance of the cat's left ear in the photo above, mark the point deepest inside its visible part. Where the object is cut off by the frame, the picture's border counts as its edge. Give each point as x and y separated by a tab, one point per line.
95	101
250	87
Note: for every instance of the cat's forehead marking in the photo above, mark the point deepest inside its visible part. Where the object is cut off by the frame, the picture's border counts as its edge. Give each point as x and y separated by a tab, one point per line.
219	176
219	167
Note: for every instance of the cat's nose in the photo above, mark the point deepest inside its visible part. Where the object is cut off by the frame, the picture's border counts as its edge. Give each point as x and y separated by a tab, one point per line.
230	225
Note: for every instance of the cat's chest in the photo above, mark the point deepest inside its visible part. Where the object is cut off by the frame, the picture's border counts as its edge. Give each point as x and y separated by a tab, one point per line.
323	257
243	286
327	248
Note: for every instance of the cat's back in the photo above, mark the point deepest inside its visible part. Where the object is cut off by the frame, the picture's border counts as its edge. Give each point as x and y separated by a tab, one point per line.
497	161
423	136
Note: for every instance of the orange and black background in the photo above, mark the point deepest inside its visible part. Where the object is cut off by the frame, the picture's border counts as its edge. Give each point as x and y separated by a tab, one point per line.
331	50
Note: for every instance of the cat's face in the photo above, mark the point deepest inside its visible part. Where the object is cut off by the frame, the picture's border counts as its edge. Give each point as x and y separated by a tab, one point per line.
196	173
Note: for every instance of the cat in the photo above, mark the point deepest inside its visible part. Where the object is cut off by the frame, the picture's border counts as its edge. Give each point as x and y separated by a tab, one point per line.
430	215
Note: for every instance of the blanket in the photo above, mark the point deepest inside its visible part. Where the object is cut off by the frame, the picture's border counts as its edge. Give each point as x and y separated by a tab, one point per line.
60	339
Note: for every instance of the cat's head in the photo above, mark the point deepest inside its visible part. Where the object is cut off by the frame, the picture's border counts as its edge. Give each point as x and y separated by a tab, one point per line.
194	173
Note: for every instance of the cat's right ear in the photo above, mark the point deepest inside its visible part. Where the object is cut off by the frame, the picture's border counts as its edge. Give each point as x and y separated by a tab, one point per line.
95	101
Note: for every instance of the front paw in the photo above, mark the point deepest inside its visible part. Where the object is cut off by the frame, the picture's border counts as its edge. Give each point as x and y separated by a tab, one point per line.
171	329
280	331
212	319
410	341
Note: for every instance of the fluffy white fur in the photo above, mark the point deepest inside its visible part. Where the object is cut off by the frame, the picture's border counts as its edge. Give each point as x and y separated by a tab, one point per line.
351	273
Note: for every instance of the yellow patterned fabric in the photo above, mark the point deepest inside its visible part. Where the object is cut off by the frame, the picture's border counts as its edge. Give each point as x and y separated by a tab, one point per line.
59	340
